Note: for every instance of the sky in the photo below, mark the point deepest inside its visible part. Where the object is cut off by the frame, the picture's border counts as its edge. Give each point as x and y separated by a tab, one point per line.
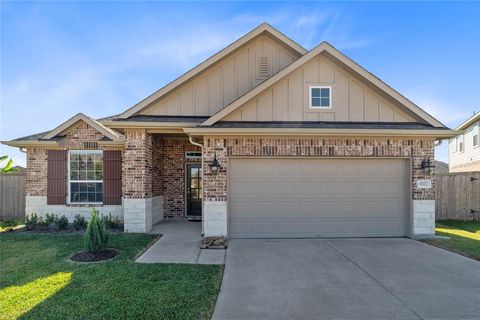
100	58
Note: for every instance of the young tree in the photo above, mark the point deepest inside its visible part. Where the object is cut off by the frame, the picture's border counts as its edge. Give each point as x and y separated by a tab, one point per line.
8	167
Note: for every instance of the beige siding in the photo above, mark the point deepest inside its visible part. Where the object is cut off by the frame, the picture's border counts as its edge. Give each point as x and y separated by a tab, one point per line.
225	81
459	161
352	98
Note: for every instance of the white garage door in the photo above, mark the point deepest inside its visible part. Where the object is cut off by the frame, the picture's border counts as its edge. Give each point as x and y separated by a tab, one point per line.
297	198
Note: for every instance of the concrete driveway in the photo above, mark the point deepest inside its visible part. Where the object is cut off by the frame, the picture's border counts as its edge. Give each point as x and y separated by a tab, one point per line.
347	279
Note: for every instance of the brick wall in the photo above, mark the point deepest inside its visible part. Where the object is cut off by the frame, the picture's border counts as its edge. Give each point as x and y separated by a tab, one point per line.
137	166
36	173
172	174
215	187
80	137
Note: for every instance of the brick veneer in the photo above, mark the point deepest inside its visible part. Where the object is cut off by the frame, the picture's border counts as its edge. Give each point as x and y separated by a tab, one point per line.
137	166
80	137
215	187
36	173
172	174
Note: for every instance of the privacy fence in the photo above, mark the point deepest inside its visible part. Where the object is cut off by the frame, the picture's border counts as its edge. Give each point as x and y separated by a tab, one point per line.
458	195
12	195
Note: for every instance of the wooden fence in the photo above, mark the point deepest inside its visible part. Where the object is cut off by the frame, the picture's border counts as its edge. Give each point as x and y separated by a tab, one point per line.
12	195
458	195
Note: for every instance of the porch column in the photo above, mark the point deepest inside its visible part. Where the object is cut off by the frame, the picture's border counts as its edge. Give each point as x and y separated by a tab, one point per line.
423	199
137	181
214	189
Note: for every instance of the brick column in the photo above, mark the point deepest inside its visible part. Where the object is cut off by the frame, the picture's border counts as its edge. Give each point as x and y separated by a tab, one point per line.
215	189
137	181
423	200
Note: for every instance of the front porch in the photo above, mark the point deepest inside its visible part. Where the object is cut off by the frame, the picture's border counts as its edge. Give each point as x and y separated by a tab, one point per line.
162	180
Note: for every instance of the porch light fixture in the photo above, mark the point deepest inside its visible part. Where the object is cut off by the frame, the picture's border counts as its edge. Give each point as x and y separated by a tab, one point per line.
215	165
427	166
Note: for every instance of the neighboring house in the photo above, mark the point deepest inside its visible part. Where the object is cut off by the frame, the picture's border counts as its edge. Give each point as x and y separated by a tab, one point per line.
441	167
464	149
306	143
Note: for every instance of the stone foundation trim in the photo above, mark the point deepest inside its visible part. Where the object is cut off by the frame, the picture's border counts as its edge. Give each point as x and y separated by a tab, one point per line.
423	219
38	205
137	215
215	218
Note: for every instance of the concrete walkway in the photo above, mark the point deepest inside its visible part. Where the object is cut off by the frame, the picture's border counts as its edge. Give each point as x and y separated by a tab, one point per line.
346	279
180	243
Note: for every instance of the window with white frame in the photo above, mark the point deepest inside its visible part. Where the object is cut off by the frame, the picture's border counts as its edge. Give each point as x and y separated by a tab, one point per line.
476	133
460	143
320	97
85	176
453	145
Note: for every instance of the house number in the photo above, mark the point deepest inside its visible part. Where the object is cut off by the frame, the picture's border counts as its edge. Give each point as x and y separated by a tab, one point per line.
424	184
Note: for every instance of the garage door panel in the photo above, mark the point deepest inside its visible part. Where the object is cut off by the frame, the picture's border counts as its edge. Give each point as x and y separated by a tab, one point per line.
339	198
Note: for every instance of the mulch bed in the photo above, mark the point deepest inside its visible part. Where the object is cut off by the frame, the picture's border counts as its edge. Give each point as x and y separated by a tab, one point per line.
92	257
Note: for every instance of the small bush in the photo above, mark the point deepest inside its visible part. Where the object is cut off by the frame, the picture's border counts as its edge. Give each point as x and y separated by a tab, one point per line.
62	222
96	235
79	223
111	222
8	225
42	224
31	222
51	219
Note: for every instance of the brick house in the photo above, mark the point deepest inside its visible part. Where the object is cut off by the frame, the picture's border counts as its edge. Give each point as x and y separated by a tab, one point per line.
263	139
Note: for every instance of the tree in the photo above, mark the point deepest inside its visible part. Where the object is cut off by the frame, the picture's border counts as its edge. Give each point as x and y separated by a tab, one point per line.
8	167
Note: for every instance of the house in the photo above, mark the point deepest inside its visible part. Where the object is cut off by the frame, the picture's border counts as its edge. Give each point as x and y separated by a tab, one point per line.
464	149
263	139
441	167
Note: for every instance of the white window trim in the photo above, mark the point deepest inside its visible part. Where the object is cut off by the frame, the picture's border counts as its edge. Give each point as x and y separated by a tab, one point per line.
310	97
86	181
477	126
461	140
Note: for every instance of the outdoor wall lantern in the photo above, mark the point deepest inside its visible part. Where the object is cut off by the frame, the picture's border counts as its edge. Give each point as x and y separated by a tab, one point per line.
215	165
427	166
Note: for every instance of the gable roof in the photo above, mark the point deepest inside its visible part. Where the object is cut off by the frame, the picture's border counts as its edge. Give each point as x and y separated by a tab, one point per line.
109	133
263	28
469	121
325	47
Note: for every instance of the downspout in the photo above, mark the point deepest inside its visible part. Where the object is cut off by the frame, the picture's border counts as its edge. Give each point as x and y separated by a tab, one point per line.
190	138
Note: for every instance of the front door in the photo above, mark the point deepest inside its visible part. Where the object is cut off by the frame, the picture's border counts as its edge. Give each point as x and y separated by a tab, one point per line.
194	191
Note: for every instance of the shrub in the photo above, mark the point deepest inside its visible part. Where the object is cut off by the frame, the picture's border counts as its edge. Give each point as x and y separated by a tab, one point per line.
8	225
96	235
79	223
51	219
62	222
31	222
42	224
111	222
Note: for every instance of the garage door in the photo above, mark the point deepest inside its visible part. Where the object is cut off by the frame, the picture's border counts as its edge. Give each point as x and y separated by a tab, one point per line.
297	198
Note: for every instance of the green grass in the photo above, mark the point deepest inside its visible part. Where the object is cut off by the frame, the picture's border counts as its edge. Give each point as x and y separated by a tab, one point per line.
464	237
38	281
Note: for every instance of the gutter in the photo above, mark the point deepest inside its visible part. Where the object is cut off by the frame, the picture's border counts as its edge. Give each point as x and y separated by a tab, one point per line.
190	138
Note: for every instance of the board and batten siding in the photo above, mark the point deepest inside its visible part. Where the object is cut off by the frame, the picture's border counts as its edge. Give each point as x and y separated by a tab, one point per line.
352	98
225	81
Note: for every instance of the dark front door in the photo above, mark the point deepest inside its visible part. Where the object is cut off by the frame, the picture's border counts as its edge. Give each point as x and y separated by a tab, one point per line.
194	191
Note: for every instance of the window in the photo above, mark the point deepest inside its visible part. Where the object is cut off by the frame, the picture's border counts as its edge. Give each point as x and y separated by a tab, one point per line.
460	143
453	145
476	133
85	176
320	97
193	155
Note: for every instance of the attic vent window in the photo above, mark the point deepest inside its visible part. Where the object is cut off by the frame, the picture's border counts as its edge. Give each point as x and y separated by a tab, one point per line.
263	67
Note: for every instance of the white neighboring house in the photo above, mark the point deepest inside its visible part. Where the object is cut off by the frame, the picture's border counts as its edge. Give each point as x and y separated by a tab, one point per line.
464	149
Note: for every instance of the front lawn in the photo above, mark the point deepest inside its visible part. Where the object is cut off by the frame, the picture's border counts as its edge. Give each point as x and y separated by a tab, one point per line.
38	281
464	237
